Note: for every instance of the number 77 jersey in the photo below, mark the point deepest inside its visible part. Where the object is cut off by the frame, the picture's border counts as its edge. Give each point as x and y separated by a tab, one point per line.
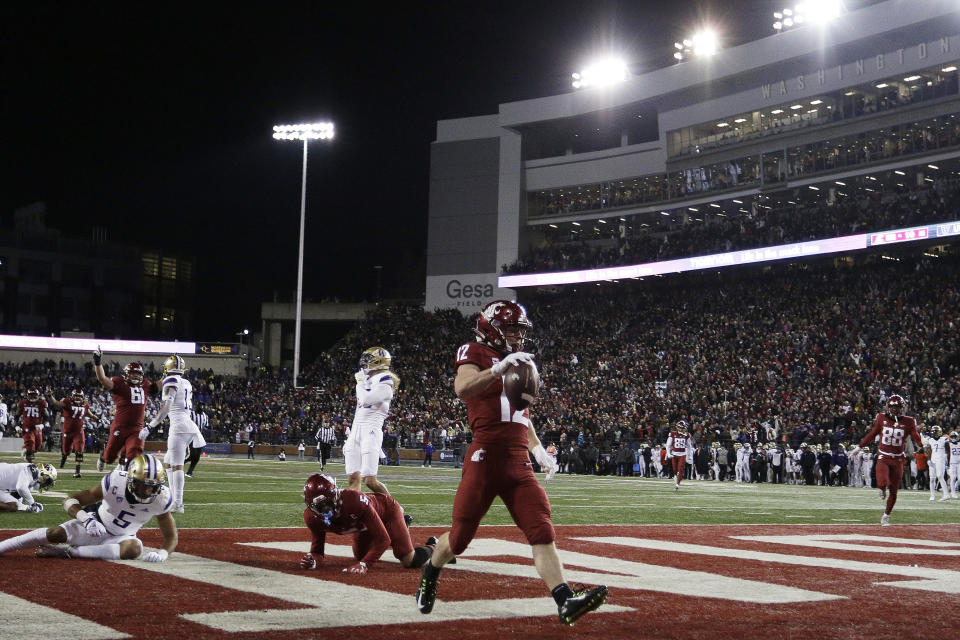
891	433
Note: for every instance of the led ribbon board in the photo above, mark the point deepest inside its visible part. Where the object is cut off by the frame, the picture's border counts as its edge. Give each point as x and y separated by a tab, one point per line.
735	258
40	343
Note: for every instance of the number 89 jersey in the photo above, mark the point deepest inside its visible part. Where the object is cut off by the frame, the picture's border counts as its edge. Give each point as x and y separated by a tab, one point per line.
121	517
891	434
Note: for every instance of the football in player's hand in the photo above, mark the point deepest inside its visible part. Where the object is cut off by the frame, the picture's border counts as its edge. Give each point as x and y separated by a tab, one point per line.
521	384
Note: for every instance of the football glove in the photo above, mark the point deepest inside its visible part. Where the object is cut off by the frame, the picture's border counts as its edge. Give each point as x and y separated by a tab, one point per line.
308	562
144	433
359	568
36	507
546	461
156	556
93	526
97	356
520	357
360	377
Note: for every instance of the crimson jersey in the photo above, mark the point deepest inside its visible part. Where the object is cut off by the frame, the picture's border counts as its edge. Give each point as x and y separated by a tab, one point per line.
892	434
131	402
73	415
359	513
32	412
678	443
491	417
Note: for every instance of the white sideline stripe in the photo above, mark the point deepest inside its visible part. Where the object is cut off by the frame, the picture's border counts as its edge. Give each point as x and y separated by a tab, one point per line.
839	541
343	604
940	580
25	619
632	575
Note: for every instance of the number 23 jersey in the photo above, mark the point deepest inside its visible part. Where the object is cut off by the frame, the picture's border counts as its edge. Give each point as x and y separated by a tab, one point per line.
119	516
891	434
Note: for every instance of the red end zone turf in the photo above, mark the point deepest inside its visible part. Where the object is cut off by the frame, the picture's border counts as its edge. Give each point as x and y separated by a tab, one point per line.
668	581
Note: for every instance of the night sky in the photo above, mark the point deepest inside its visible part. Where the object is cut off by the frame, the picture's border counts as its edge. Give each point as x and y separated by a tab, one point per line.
154	121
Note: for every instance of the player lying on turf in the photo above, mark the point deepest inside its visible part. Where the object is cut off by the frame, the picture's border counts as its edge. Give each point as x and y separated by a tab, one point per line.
375	520
19	481
128	500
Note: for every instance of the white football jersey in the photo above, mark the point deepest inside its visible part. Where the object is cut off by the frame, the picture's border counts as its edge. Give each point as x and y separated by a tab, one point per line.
954	454
938	449
17	477
380	385
181	410
119	516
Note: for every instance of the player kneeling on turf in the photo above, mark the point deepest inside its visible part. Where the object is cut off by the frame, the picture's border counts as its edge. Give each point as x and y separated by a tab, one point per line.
375	520
128	500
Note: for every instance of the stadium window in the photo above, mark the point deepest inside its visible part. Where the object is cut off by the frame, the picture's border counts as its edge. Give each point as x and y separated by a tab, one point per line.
169	270
151	264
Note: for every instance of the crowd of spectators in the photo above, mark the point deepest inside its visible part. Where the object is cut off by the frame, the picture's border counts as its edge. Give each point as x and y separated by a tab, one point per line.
758	227
795	354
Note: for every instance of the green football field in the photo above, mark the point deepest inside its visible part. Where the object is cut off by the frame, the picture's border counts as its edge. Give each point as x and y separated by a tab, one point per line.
235	492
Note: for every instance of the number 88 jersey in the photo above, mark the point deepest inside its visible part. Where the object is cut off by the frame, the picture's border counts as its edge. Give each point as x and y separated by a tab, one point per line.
891	433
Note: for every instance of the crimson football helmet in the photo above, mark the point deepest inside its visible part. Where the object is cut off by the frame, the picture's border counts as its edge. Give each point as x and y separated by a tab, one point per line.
681	426
133	374
33	393
322	496
78	396
895	405
503	325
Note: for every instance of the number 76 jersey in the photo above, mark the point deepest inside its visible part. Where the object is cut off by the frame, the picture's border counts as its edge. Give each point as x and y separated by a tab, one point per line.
891	433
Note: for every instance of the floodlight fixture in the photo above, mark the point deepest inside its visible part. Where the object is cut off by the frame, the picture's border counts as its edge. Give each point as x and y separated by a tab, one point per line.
807	12
702	44
305	133
311	131
605	72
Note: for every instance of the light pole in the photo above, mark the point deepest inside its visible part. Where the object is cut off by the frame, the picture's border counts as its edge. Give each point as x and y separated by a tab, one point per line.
306	133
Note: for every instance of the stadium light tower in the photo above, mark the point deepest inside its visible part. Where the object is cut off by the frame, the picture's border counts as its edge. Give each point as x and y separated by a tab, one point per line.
701	45
306	133
808	12
601	73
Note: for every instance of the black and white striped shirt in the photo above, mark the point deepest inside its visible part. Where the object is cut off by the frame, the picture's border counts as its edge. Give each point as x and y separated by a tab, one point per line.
325	435
200	419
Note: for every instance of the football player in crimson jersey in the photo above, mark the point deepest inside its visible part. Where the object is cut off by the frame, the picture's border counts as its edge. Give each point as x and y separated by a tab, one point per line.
375	520
75	408
891	430
498	463
677	443
130	399
33	410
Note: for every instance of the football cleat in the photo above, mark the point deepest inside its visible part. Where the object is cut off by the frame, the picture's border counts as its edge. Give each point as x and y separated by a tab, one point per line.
408	520
100	464
54	551
581	602
944	498
178	508
427	593
188	475
77	475
885	520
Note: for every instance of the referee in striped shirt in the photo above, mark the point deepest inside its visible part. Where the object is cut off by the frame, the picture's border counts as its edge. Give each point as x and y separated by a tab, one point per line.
200	419
325	438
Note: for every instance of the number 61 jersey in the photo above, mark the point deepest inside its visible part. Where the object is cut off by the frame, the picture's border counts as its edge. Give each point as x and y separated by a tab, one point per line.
121	517
131	401
891	433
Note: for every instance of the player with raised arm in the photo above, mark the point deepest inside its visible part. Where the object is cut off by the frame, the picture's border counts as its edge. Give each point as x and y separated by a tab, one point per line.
891	430
32	409
19	481
375	520
125	501
75	409
376	386
184	432
130	399
677	443
938	444
498	462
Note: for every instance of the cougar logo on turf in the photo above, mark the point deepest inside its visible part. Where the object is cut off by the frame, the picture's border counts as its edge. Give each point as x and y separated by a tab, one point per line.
477	456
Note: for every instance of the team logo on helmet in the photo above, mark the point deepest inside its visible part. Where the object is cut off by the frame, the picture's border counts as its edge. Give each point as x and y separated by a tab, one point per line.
375	359
896	404
133	374
174	364
954	437
145	478
503	325
44	474
322	497
77	396
33	393
936	432
681	426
